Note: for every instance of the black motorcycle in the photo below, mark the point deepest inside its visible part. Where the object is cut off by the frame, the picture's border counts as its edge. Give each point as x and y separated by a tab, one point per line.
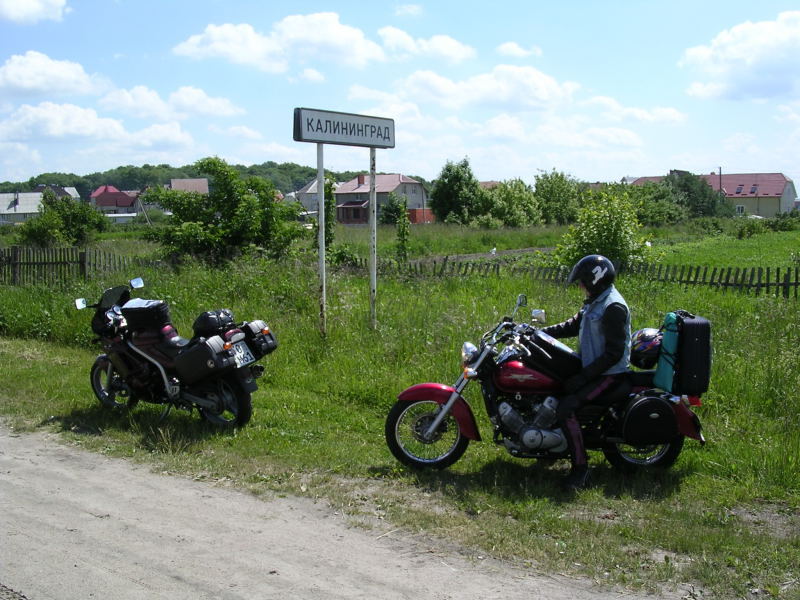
146	360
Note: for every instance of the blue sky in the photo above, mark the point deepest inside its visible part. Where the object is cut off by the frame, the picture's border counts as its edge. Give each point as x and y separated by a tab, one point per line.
599	90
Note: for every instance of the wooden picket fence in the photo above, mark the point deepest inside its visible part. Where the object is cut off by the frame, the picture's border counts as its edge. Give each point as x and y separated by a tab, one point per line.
53	266
777	281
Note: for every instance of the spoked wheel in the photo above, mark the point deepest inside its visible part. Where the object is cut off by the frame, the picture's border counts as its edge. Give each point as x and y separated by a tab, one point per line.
108	385
652	457
236	406
406	425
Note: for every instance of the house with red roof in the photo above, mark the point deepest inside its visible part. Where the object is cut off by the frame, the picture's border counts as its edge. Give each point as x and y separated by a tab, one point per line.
352	197
760	194
110	200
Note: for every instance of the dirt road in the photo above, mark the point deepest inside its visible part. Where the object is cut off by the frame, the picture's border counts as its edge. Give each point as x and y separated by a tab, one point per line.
78	525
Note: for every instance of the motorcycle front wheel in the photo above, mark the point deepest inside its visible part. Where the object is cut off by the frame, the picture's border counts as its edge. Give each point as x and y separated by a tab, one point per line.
652	457
406	424
109	386
235	405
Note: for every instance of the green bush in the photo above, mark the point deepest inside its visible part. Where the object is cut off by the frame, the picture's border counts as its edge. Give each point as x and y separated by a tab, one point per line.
606	225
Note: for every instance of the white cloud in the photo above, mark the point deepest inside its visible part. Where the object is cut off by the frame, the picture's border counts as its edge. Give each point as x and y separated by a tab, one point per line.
236	131
139	101
49	120
576	133
296	37
514	50
17	160
615	111
37	73
408	10
67	122
312	76
161	135
142	102
506	86
194	100
402	45
749	60
239	44
31	11
507	127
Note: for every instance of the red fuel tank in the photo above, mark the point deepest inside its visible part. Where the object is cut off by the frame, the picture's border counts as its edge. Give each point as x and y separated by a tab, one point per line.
515	376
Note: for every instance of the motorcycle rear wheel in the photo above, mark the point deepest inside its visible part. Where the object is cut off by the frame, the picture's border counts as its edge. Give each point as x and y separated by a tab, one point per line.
653	457
237	405
405	425
108	385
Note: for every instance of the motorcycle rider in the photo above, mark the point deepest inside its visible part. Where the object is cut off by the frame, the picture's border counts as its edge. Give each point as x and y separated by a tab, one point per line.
603	328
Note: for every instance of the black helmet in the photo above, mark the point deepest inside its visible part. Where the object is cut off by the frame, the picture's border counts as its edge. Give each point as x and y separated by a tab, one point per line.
645	346
596	273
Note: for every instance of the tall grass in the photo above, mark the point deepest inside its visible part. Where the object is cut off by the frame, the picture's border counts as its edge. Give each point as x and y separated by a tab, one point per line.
436	239
319	417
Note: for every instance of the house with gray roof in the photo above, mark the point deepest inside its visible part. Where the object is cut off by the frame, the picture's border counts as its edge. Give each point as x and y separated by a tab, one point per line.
352	197
17	207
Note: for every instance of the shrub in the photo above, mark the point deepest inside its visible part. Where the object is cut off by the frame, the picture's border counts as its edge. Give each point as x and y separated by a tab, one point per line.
606	225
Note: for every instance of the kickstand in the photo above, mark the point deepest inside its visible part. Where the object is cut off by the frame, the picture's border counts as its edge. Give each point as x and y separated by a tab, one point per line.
164	413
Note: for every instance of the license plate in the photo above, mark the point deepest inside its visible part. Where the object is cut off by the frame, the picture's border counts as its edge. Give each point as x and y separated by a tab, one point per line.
242	354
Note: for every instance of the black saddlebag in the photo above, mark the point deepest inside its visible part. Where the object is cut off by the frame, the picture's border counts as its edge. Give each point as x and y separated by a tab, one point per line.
146	314
213	322
649	419
259	337
203	358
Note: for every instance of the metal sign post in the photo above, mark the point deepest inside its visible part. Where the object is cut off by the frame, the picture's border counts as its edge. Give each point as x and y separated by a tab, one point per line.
346	129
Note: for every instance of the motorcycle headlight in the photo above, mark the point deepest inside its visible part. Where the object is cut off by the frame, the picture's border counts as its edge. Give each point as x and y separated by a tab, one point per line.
469	353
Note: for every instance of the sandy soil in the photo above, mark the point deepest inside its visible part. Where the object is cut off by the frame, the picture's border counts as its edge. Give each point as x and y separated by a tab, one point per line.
78	525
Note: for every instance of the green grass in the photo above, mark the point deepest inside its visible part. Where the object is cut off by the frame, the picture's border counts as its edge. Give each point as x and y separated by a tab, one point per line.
774	249
435	239
318	422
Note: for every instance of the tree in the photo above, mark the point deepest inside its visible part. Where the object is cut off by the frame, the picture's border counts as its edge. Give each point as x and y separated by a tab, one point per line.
606	225
62	221
515	204
391	211
559	197
700	198
456	194
236	213
403	233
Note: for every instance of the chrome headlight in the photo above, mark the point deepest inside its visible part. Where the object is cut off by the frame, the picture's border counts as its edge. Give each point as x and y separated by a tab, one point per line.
469	353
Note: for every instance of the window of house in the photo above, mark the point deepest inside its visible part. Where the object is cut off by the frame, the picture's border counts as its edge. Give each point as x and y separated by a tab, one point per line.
740	209
739	189
754	189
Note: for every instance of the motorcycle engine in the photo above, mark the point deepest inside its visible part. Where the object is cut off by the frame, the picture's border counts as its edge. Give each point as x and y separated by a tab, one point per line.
534	433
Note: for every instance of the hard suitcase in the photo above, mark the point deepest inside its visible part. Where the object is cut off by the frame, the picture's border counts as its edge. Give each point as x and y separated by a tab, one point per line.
694	357
684	361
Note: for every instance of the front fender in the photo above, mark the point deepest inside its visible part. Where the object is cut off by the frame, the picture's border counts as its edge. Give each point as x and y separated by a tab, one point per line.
440	394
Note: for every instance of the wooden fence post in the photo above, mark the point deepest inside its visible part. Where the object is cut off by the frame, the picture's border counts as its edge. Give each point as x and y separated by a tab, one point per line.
15	265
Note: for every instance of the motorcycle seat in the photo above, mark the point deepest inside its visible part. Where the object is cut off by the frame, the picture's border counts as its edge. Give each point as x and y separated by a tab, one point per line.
170	340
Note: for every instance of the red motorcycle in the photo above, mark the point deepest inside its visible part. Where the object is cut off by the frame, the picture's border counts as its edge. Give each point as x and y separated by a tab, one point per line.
521	371
145	359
